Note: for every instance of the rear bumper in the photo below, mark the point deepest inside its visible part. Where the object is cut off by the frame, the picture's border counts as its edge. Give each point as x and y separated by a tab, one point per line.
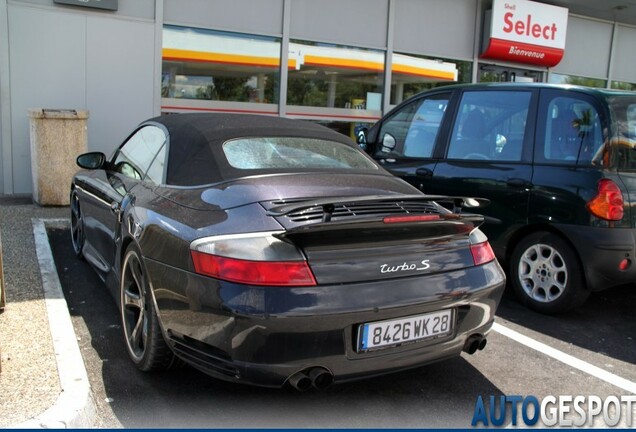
601	250
263	335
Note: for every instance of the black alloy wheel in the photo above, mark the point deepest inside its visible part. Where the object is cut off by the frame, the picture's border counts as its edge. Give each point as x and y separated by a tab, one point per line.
144	341
77	226
546	274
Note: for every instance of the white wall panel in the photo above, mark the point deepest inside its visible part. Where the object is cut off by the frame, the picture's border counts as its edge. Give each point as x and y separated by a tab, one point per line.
587	48
77	61
624	63
247	16
47	68
348	22
439	28
119	79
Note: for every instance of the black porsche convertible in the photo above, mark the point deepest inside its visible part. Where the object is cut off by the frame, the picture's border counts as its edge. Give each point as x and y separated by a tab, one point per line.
273	251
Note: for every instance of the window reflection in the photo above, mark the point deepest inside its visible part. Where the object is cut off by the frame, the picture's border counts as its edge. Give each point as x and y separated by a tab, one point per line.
573	132
212	65
342	86
350	129
577	80
619	150
331	76
622	85
490	126
414	128
412	74
262	153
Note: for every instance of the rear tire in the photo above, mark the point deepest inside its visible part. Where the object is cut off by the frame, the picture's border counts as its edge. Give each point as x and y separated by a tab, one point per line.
144	340
546	275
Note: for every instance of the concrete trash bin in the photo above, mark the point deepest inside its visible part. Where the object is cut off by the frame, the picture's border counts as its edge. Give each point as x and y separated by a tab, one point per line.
58	136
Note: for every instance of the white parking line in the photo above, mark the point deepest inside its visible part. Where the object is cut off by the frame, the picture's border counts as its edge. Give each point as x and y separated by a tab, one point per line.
567	359
74	407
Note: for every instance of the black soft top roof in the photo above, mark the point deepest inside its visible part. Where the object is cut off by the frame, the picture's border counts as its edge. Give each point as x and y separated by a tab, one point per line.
195	142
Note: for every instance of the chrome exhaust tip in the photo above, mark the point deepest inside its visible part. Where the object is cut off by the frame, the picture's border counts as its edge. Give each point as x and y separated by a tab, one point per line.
473	343
300	381
320	378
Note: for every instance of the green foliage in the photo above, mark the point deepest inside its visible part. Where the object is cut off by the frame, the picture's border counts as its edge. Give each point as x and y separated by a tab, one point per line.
619	85
304	91
231	89
205	92
586	82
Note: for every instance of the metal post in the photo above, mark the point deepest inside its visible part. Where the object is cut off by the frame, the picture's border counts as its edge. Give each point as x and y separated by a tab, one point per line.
388	61
284	60
158	72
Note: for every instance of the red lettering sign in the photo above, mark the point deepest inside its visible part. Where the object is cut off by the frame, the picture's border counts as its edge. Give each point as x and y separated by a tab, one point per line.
528	27
526	32
522	53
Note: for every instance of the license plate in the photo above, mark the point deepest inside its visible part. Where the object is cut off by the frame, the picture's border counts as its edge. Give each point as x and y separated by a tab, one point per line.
398	331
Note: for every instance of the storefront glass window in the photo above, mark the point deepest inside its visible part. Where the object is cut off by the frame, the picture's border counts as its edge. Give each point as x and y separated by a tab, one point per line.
412	74
577	80
350	129
219	66
495	73
621	85
334	77
338	86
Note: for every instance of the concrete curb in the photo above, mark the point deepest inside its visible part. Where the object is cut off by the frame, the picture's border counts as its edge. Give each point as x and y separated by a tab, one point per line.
74	408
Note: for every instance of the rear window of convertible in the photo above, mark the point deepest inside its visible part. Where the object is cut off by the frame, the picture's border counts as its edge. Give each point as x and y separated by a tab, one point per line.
283	153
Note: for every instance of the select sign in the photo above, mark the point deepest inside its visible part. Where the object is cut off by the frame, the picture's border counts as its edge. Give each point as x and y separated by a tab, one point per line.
525	32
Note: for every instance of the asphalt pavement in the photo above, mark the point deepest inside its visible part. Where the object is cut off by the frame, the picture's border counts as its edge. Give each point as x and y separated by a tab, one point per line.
41	381
589	351
64	364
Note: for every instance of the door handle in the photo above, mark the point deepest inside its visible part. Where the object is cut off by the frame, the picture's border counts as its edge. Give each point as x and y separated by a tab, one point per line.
519	183
425	173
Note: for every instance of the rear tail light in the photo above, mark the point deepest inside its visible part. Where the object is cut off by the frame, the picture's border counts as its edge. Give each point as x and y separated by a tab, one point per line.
253	259
608	203
480	248
272	273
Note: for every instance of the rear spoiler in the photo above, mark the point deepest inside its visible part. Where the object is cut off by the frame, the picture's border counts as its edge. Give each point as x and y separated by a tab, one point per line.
328	204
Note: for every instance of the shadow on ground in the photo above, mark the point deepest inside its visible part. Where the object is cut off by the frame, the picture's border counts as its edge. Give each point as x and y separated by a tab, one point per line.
439	395
605	324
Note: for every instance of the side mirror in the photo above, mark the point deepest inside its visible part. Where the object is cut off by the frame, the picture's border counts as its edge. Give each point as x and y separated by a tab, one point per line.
361	136
388	143
91	161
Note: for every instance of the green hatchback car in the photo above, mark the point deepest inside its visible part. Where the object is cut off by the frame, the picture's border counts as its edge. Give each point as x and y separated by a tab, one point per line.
557	162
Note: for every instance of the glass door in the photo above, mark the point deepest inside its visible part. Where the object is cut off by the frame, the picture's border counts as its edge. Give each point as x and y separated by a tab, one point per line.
493	73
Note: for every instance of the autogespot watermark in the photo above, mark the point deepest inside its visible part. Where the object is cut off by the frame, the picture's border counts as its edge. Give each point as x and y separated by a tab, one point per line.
554	410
